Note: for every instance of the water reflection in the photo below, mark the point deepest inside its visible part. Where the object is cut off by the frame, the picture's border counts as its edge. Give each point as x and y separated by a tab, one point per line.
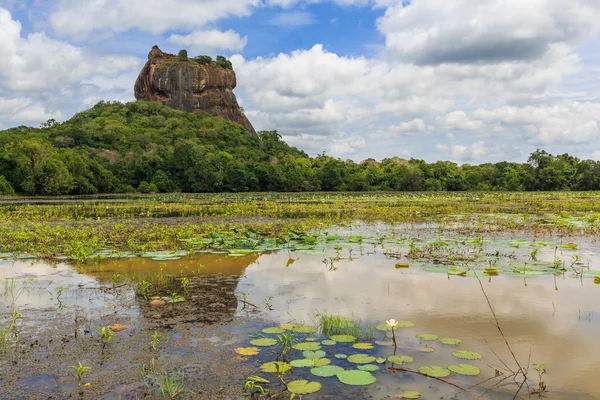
559	327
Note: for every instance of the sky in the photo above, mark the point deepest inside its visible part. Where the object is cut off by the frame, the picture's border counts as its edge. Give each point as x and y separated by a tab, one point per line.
470	81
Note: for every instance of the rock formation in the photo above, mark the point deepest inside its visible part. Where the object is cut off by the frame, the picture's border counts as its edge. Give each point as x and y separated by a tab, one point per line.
197	84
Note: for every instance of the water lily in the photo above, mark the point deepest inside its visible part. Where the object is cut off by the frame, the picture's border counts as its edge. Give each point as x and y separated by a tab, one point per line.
391	323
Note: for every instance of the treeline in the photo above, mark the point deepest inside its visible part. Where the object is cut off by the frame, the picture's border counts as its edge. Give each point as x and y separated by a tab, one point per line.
147	147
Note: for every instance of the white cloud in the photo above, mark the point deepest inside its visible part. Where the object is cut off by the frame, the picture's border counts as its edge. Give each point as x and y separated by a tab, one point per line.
458	120
470	31
211	40
462	153
293	19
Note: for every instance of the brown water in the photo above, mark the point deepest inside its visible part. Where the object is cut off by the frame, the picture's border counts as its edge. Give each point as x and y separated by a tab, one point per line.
546	320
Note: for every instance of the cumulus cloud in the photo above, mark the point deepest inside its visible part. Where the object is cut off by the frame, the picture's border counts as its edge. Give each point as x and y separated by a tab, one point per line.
458	121
488	31
463	153
211	40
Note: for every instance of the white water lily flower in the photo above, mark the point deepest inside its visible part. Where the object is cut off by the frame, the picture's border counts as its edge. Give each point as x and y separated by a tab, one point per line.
391	322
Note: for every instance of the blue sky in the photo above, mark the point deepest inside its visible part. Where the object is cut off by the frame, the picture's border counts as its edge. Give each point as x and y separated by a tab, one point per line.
470	81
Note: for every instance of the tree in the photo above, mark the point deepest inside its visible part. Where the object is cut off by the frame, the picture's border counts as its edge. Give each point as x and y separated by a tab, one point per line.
5	186
183	54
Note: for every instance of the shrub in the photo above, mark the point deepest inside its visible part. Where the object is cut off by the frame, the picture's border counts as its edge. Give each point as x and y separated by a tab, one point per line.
5	186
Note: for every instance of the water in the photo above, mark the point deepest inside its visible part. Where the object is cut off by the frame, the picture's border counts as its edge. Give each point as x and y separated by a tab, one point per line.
548	320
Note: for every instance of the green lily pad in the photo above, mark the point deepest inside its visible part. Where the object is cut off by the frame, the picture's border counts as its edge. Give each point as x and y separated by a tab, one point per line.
426	349
302	363
304	346
467	355
409	394
303	387
428	337
465	369
399	324
380	360
326	371
310	339
435	371
341	356
363	346
382	343
273	330
304	329
343	338
321	362
368	367
361	359
287	327
275	366
450	341
263	342
329	342
356	378
314	354
400	359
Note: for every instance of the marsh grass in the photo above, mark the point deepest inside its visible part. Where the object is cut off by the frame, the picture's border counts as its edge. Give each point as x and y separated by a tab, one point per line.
330	325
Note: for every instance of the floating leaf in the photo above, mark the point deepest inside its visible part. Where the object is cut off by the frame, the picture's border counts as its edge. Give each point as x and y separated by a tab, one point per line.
368	367
303	363
363	346
287	327
263	342
275	366
380	360
597	280
314	354
426	349
320	362
258	379
570	246
467	355
356	378
428	337
399	324
329	342
361	359
343	338
402	265
341	356
400	359
310	346
382	343
409	394
326	371
450	341
311	339
304	329
457	271
247	351
435	371
465	369
303	387
273	330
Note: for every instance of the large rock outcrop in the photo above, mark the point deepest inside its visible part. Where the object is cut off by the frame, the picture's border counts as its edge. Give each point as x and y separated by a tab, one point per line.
190	85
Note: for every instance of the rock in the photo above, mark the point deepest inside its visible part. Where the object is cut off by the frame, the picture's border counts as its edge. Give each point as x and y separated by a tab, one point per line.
158	303
190	85
117	328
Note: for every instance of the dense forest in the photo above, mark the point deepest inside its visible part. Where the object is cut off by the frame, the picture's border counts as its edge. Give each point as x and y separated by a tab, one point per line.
147	147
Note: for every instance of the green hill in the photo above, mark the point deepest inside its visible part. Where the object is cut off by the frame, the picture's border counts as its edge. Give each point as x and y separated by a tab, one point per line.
148	147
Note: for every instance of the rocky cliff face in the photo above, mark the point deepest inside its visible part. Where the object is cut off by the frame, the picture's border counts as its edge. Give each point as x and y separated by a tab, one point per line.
190	85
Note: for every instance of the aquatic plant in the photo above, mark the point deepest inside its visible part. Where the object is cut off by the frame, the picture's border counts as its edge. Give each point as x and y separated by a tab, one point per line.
171	384
81	370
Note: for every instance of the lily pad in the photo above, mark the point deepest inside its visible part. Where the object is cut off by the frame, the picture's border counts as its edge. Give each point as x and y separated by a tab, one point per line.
450	341
368	367
343	338
303	387
247	351
273	330
363	346
465	369
380	360
467	355
382	343
307	346
428	337
329	342
361	359
321	362
263	342
426	349
303	363
409	394
341	356
326	371
356	378
399	324
304	329
435	371
314	354
275	366
287	327
597	280
400	359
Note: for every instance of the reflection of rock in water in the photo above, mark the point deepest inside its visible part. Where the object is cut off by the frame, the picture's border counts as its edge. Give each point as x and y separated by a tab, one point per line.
209	299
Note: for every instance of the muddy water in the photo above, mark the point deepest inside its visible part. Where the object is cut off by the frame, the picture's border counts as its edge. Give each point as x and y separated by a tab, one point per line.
547	320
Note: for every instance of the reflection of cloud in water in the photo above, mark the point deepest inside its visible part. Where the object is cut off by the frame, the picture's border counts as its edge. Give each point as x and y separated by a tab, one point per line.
535	316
